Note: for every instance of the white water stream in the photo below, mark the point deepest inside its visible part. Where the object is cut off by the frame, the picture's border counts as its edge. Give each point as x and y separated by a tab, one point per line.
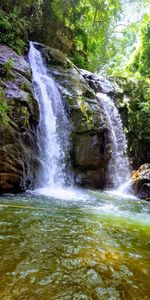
53	129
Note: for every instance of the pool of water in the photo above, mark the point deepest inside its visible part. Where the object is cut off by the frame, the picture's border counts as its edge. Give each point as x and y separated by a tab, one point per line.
74	245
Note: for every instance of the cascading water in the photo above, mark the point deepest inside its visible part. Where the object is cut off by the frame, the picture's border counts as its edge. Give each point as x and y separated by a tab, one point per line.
118	168
53	129
53	132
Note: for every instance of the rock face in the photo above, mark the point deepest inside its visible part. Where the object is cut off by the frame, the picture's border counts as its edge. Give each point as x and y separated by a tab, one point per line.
18	145
132	98
90	148
141	182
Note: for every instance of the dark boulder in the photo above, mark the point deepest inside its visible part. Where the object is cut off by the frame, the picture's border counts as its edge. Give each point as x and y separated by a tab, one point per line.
141	182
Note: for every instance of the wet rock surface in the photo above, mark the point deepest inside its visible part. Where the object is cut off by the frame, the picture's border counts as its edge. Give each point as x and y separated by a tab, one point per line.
141	182
18	144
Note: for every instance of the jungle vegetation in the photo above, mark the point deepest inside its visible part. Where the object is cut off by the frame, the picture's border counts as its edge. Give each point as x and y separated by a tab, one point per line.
96	34
111	37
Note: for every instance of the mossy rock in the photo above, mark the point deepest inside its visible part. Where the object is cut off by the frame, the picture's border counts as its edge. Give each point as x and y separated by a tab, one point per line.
18	145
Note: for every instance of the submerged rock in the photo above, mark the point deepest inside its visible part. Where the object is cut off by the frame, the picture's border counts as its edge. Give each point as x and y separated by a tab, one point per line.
18	145
141	182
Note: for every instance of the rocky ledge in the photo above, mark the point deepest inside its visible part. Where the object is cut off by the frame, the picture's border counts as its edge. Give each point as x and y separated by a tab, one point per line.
141	182
18	121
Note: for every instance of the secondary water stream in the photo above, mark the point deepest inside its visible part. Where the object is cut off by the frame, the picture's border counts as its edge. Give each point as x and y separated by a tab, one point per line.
118	173
118	168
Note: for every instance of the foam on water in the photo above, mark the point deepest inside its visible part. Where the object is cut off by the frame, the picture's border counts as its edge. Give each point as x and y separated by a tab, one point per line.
68	194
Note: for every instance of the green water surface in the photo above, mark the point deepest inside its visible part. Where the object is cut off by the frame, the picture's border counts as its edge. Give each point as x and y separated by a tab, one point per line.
82	245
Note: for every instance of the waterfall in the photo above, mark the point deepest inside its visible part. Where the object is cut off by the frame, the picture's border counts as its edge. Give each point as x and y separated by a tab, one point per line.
118	168
53	128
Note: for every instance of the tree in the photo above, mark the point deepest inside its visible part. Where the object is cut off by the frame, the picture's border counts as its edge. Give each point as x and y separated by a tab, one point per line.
141	58
81	28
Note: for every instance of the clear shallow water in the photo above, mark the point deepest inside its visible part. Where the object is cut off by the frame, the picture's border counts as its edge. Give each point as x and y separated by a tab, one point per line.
77	246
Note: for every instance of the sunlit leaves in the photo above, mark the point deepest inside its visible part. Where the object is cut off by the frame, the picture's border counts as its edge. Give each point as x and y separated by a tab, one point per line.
86	24
141	58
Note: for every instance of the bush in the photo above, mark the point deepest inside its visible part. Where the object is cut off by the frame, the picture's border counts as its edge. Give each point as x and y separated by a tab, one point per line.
141	59
8	66
139	122
14	31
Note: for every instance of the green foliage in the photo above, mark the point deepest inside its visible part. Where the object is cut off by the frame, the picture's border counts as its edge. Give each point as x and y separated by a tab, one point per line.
8	66
119	51
14	29
86	30
3	106
138	124
87	115
24	116
80	28
141	59
140	111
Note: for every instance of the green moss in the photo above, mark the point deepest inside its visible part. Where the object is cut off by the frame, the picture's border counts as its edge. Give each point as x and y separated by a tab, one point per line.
87	114
7	68
14	30
25	86
3	106
24	116
89	94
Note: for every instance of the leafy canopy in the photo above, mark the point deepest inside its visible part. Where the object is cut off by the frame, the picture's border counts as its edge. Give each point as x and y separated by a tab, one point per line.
141	59
80	28
88	31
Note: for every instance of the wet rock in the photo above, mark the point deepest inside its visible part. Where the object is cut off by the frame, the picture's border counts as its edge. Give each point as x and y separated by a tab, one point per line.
141	182
18	144
90	152
53	56
94	179
98	83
